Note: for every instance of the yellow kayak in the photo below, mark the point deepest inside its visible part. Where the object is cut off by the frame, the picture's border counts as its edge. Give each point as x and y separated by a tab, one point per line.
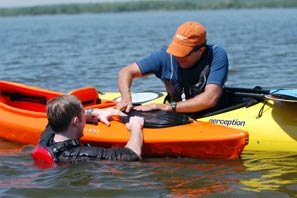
271	123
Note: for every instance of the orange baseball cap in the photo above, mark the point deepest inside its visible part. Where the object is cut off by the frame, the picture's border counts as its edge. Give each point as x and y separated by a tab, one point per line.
187	36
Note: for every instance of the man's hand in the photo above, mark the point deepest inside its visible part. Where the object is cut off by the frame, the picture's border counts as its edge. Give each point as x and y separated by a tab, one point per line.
105	114
135	123
150	107
124	105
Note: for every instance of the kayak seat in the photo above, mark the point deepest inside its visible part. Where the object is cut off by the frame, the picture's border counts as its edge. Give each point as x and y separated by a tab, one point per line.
87	95
229	101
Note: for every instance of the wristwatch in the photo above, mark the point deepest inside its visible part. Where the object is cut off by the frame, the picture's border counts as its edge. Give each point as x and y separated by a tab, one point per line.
89	112
173	106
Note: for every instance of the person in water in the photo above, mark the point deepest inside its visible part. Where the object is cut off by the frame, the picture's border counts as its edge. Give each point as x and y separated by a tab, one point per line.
66	121
193	72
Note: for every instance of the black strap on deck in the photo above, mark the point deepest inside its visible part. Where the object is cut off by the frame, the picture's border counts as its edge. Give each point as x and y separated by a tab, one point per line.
15	96
158	118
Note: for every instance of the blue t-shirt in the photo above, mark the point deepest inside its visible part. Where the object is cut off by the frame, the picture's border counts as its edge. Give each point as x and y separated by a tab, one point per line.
165	66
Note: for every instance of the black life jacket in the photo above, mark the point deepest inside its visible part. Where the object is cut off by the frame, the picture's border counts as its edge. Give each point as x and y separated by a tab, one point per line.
49	151
71	150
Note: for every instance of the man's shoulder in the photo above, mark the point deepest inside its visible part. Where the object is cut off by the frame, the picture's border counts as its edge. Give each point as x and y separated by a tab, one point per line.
217	48
157	57
162	52
218	51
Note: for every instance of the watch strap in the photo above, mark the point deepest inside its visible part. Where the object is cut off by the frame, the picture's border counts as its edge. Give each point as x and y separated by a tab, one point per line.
173	106
89	112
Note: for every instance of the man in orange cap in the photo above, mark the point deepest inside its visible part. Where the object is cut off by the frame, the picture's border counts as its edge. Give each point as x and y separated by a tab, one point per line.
192	71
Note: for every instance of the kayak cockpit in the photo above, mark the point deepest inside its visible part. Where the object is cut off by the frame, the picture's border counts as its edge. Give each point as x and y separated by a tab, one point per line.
31	101
228	102
23	101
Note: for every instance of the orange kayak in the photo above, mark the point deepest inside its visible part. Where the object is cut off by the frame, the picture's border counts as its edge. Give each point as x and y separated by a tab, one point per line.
23	118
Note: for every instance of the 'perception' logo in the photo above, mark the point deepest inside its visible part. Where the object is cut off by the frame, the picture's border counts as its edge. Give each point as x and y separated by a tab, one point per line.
234	122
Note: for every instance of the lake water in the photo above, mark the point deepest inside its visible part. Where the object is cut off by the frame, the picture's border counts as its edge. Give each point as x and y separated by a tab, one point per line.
65	52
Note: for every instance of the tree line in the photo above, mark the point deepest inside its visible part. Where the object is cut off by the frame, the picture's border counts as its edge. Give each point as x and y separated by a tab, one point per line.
146	5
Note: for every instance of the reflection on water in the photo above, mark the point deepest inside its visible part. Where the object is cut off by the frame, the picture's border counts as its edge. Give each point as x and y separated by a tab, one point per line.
270	171
9	148
199	177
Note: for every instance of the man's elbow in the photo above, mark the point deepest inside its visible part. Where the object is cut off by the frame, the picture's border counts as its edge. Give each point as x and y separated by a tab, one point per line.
131	71
213	101
122	71
213	95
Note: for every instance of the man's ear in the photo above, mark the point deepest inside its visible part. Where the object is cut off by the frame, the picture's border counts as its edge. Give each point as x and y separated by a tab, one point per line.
202	49
75	120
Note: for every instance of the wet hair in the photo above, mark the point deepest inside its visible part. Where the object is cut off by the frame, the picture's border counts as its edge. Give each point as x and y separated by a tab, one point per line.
60	111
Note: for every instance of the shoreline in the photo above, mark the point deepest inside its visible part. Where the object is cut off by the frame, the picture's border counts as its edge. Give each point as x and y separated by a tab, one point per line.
140	6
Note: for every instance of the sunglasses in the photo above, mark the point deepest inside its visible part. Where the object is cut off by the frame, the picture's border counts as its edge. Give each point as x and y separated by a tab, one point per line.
196	48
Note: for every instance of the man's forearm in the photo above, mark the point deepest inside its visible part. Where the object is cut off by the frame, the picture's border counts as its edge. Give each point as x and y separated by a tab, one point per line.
136	140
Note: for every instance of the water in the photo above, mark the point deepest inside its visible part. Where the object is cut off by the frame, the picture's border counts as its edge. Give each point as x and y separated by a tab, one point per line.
65	52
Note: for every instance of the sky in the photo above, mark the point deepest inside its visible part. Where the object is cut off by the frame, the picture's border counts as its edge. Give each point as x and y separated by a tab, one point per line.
24	3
